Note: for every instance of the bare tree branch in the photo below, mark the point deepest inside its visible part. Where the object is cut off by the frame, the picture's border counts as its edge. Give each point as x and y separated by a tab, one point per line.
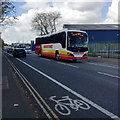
45	23
7	11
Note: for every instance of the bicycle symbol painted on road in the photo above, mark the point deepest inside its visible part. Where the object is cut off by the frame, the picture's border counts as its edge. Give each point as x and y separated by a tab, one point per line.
62	105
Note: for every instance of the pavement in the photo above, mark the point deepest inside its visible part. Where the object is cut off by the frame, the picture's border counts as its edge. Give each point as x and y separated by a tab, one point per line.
103	60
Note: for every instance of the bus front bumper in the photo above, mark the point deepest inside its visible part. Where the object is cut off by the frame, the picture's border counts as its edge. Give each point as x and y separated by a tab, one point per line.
74	58
80	58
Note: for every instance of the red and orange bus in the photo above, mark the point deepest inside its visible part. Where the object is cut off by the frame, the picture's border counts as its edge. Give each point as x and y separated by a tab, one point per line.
66	44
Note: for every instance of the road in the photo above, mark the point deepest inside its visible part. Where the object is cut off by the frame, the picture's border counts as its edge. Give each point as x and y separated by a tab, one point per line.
91	89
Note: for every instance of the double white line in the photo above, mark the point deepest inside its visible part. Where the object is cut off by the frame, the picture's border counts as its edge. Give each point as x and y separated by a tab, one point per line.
35	94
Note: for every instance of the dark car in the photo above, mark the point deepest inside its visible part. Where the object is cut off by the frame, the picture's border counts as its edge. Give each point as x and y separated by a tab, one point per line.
9	50
18	52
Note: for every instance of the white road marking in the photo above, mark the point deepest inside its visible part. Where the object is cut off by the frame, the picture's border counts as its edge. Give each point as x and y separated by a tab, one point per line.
44	110
111	115
68	64
39	103
102	65
45	59
108	74
78	104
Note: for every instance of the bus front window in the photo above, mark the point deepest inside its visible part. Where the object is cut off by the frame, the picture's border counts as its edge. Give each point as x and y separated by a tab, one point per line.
76	39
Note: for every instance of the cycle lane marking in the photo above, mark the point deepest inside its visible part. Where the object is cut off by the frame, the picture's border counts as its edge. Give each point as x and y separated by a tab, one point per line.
110	114
73	104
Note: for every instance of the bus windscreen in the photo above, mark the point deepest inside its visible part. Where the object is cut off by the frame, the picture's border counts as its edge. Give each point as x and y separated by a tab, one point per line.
77	39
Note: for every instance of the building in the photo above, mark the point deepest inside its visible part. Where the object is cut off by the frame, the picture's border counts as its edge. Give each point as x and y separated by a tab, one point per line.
104	39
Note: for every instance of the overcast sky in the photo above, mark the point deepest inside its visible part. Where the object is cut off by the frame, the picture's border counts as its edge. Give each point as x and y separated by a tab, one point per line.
75	12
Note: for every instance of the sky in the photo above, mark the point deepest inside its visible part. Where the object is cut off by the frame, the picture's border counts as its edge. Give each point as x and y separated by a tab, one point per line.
77	12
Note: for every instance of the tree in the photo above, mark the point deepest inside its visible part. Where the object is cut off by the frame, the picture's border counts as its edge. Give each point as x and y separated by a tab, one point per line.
45	23
7	15
1	42
7	11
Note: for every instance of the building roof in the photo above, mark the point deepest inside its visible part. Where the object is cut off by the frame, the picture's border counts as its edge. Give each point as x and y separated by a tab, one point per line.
92	26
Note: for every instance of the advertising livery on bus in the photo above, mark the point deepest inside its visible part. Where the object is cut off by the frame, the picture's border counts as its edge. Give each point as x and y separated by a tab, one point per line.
66	44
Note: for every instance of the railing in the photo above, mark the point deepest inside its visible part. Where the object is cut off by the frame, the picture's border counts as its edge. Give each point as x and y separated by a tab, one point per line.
104	49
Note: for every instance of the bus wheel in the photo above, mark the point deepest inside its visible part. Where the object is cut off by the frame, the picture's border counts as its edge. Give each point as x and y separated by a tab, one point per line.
40	53
57	56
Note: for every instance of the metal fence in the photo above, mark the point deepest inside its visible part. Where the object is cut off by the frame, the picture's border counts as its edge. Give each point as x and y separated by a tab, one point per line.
103	49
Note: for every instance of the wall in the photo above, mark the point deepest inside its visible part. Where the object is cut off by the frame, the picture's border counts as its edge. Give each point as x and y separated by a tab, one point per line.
104	43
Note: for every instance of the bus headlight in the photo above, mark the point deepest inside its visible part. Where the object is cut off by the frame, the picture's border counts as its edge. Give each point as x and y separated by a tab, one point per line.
85	55
69	54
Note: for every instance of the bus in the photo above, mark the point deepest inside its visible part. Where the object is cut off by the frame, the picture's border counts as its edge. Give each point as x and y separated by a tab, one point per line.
65	44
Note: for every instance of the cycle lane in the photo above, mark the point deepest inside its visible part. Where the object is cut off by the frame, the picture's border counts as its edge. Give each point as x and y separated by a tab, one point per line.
47	89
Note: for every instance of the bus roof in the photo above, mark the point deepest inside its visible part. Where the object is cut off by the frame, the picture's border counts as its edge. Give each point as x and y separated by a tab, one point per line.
63	30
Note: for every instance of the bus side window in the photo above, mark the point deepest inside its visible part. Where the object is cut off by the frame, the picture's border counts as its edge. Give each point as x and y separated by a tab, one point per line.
61	39
53	39
63	35
64	39
68	41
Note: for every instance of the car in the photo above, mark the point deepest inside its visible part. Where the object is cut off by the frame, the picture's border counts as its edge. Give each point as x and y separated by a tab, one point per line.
9	50
27	50
19	52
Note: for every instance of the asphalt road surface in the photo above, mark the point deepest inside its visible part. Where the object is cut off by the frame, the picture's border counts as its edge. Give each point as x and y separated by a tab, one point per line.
65	89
